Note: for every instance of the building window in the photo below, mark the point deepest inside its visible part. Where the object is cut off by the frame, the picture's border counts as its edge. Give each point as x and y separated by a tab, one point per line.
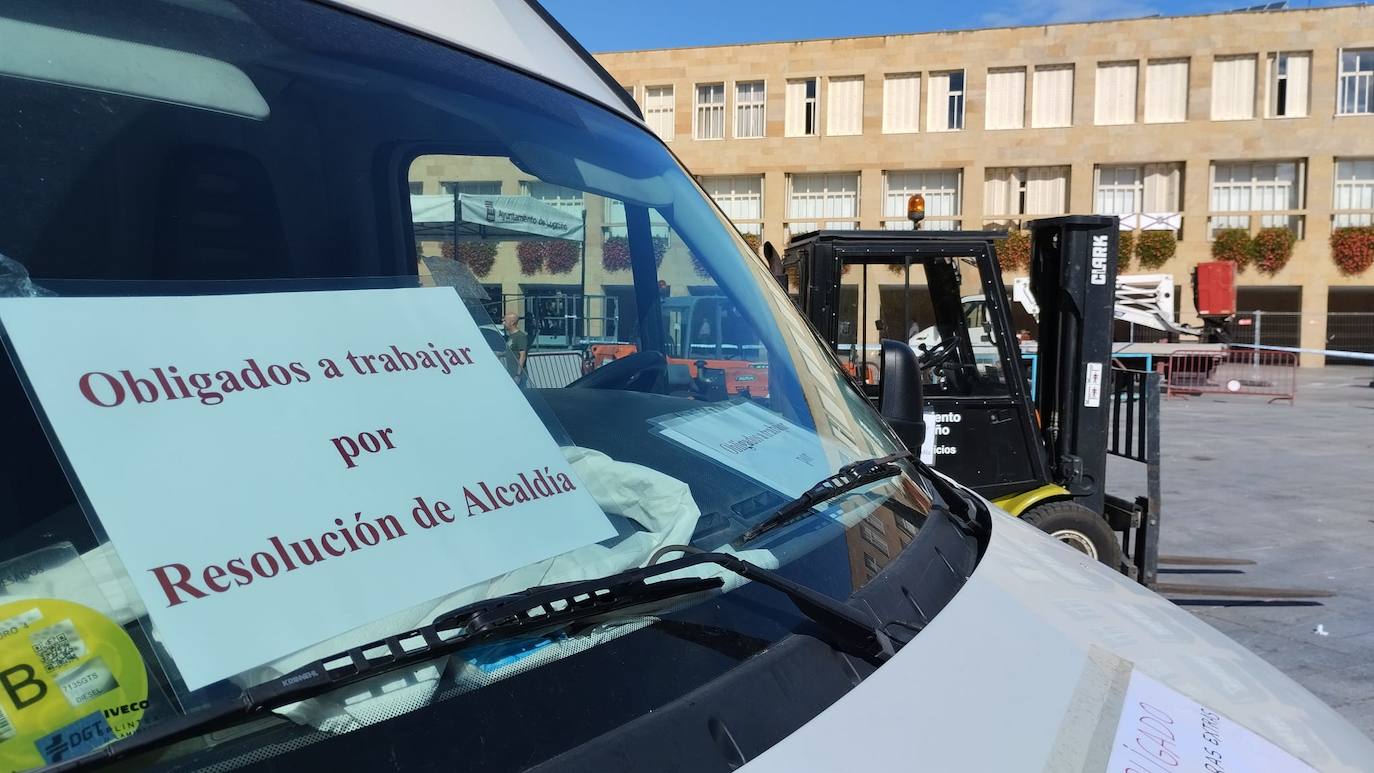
871	565
1013	193
708	121
750	109
1166	91
1146	197
1052	97
416	188
567	199
740	197
1269	191
1117	190
872	537
941	187
1357	82
472	187
817	201
906	527
1287	85
803	109
1354	202
1115	102
901	103
613	221
945	102
844	112
1233	88
658	111
1006	100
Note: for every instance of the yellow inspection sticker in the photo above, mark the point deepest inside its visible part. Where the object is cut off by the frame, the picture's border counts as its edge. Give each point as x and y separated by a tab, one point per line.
71	680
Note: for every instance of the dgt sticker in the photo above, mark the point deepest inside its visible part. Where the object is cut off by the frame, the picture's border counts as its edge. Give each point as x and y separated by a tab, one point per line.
71	680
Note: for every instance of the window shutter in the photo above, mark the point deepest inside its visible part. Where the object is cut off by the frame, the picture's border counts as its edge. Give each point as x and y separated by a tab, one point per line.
1052	97
1233	88
997	192
1045	190
1299	73
1115	102
845	110
901	103
1166	91
1006	99
937	103
1161	188
796	109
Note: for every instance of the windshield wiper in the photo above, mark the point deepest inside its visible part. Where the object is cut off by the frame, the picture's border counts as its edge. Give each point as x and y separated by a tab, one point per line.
846	479
528	613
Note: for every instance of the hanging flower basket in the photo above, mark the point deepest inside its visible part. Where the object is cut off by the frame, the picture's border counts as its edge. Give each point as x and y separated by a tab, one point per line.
698	266
1235	245
1352	249
755	243
1273	248
1124	250
615	252
480	256
1014	251
1155	248
557	256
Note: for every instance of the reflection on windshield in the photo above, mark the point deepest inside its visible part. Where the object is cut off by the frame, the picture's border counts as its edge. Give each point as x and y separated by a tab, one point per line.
685	393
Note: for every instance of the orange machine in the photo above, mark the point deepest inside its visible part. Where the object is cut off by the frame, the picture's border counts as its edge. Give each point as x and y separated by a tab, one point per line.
705	333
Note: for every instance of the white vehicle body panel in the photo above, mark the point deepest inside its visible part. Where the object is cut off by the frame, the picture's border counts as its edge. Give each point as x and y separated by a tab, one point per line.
508	31
1016	675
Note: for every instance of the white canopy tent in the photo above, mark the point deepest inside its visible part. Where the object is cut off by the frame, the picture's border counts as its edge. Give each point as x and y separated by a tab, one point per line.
503	218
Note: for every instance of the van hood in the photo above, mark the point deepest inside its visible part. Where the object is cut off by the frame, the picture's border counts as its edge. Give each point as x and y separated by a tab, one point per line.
1048	661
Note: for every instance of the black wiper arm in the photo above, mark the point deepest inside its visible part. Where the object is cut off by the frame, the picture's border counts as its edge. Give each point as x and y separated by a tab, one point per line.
537	610
846	479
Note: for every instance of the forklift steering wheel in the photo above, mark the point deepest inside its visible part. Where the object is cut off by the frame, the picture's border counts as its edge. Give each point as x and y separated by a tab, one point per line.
937	355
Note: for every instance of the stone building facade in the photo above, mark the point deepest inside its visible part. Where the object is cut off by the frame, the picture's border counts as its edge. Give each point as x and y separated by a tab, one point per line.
1188	124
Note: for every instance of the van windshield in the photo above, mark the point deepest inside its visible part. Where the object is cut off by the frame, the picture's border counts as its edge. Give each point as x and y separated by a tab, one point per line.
288	163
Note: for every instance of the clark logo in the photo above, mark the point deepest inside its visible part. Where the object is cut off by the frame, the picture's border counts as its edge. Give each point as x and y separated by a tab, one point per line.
1099	260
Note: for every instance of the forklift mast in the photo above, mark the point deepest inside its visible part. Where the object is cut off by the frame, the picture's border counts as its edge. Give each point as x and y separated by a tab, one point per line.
1073	278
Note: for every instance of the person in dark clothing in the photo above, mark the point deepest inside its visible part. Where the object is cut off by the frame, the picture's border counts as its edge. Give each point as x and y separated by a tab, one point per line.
517	347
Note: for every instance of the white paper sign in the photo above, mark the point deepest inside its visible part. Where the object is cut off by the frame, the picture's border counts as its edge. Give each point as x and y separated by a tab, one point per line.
1163	730
755	442
932	421
271	468
1092	385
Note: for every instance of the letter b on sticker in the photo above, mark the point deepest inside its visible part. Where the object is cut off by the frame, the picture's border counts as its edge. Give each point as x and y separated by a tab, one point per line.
21	686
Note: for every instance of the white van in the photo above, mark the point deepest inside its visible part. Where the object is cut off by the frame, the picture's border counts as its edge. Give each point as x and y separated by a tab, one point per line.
272	502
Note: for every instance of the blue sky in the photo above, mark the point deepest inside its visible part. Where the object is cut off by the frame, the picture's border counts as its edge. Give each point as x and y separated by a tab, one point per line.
617	25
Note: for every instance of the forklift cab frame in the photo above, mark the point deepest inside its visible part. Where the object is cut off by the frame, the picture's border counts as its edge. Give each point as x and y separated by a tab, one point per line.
985	424
979	415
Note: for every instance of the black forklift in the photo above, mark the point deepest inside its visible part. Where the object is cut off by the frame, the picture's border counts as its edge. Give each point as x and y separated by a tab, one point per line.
1029	427
1025	429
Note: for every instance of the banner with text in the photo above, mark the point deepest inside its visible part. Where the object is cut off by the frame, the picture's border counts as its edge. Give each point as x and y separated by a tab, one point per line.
278	469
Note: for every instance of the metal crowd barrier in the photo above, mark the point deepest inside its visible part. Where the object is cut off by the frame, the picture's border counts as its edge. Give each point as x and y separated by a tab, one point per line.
1260	373
553	370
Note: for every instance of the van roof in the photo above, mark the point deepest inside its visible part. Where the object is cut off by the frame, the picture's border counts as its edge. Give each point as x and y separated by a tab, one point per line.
518	33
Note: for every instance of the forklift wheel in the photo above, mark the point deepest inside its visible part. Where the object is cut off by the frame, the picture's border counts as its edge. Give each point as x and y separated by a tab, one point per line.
1079	528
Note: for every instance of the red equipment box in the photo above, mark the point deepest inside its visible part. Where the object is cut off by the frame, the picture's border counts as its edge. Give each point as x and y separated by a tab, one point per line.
1214	288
